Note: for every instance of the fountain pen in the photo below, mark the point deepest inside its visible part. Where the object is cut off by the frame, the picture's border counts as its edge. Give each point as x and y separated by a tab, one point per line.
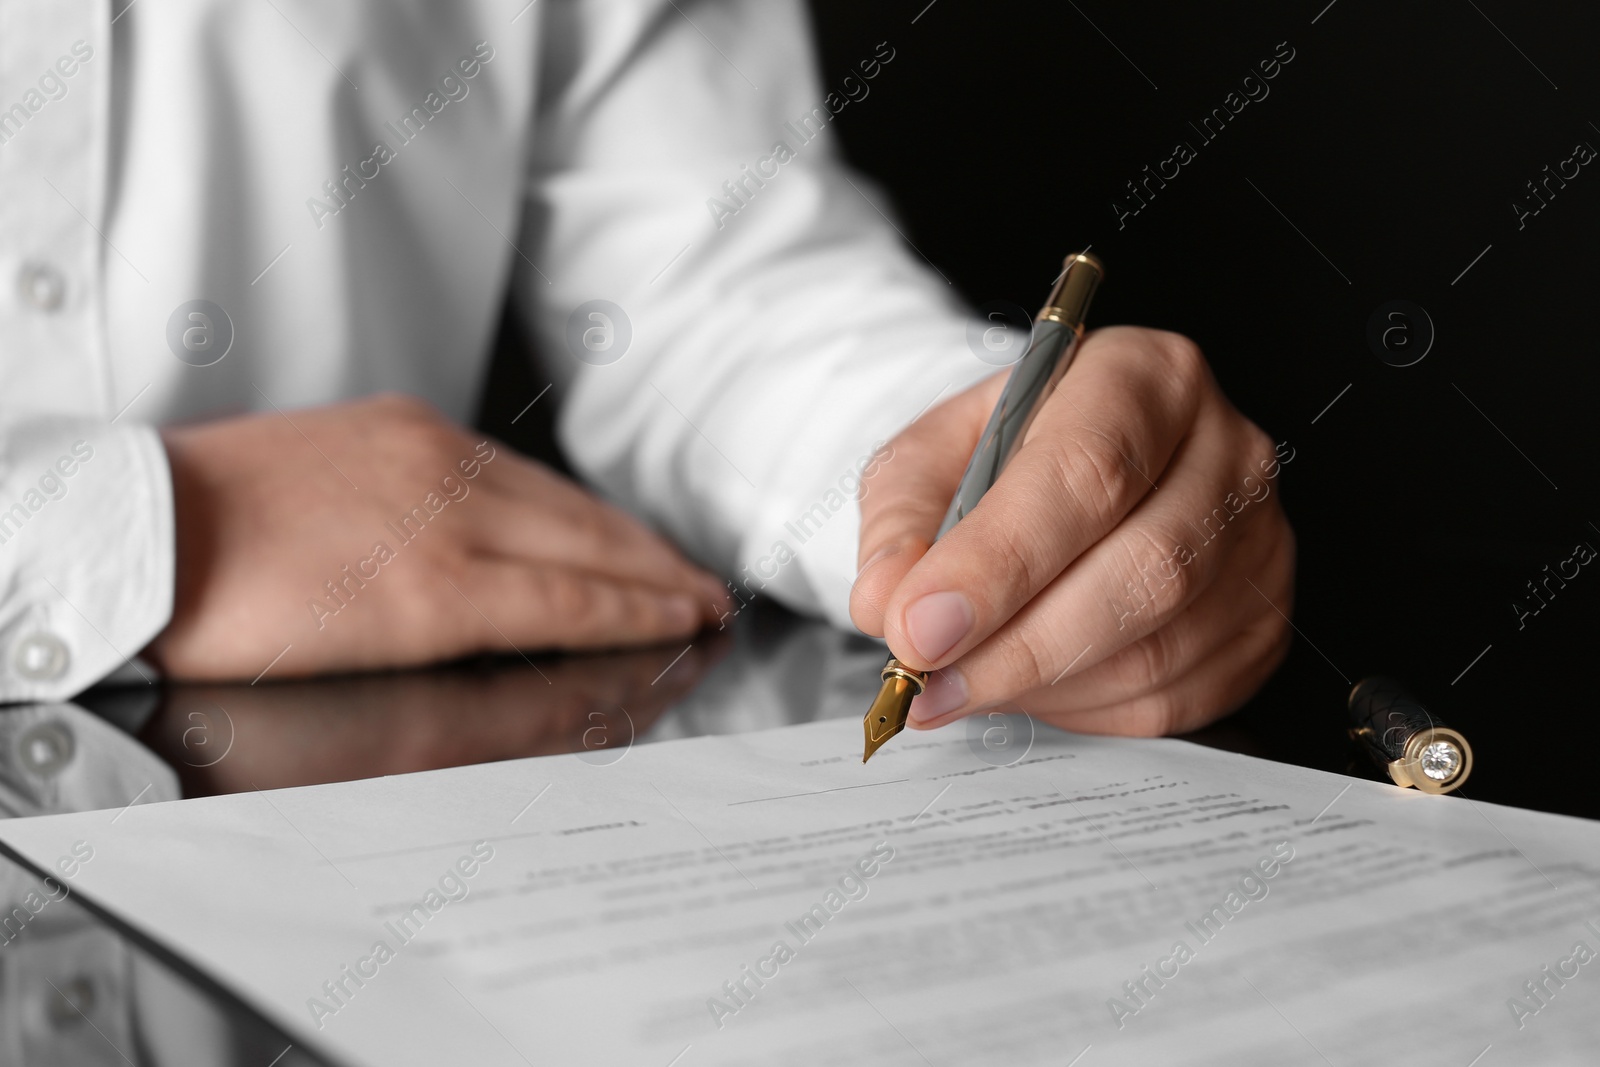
1057	330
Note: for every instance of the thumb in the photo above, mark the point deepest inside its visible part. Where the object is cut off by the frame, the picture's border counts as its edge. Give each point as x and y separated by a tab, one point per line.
905	499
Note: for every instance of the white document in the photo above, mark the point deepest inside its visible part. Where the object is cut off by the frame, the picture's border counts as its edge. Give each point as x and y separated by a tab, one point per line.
765	898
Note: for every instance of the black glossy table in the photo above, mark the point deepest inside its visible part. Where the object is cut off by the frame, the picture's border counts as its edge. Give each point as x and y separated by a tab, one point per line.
77	988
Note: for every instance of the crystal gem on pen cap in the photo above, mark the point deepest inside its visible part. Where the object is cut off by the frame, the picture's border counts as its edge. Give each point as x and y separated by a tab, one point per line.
1440	760
1434	759
1406	739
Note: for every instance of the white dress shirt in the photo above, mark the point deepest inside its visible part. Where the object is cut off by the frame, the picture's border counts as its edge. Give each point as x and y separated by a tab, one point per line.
165	152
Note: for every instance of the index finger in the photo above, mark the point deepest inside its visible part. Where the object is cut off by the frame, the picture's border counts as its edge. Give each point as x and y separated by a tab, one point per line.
534	514
905	499
1091	455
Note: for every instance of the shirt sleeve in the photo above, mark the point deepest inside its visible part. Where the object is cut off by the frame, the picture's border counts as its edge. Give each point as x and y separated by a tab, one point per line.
86	553
762	327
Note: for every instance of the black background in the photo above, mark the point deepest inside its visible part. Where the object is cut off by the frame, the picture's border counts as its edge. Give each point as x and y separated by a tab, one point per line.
1395	143
1396	140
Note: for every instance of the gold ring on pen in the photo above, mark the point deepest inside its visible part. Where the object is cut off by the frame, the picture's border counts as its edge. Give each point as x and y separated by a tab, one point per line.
900	670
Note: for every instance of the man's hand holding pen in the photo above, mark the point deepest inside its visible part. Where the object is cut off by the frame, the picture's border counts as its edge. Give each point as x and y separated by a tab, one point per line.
1130	571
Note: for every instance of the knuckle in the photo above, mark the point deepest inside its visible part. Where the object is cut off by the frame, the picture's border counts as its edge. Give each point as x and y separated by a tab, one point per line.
1159	581
558	604
1013	559
1260	450
1027	659
1148	664
440	438
1181	376
612	533
1182	358
416	447
1155	715
421	433
1094	476
570	602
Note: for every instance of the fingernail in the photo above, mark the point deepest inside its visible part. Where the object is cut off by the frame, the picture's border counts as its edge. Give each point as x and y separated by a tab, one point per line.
936	622
946	692
877	557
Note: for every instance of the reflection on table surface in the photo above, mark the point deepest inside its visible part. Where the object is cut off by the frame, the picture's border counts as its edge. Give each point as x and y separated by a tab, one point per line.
771	671
76	989
119	746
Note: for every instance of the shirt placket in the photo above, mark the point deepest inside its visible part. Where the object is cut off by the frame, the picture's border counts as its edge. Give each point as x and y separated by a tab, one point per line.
55	63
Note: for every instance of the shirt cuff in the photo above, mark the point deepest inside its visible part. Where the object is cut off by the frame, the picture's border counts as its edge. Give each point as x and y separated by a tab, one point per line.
86	554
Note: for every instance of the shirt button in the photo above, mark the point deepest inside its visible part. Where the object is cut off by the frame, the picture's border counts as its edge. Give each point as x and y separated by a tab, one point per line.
40	657
42	286
46	748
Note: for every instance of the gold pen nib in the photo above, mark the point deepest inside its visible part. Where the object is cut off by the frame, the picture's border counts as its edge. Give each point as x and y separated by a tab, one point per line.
887	715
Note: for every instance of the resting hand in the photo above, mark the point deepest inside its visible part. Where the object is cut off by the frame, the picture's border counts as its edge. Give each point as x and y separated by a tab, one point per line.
377	534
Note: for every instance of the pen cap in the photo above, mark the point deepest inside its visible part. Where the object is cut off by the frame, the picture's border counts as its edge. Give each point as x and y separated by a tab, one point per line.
1081	275
1406	739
